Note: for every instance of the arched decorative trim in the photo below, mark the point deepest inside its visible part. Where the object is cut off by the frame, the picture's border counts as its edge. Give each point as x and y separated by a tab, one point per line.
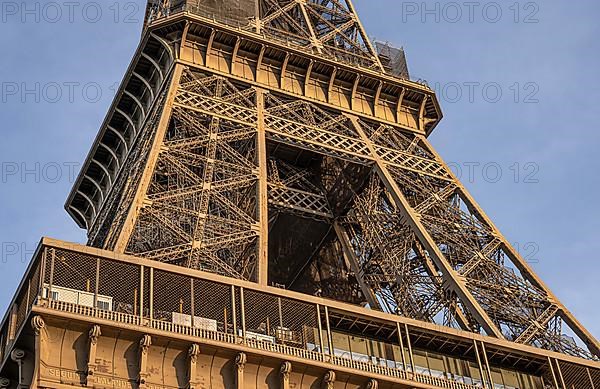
121	137
156	65
78	212
146	83
90	202
128	118
138	102
165	44
103	169
96	185
112	153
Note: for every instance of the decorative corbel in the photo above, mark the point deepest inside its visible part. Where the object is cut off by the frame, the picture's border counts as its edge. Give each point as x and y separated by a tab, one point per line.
285	371
329	380
145	344
372	384
39	329
93	335
240	365
193	354
17	356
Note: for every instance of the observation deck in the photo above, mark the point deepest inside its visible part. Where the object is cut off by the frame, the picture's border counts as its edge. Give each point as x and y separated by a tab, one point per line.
190	321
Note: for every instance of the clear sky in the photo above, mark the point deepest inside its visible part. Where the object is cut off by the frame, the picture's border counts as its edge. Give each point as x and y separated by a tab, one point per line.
518	83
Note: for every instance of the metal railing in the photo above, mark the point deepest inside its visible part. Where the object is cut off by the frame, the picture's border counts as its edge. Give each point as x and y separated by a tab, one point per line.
122	290
359	58
216	336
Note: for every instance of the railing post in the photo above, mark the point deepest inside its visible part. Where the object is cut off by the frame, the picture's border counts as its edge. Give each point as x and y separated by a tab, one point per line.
280	313
243	311
42	279
28	295
553	373
141	293
12	324
410	351
233	313
51	281
487	365
97	285
329	337
320	327
192	294
484	382
151	292
404	367
560	375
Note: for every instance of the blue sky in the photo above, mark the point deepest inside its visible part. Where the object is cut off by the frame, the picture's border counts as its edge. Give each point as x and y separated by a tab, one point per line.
518	83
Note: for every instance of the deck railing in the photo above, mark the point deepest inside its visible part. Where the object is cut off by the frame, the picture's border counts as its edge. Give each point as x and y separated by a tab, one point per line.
82	282
359	57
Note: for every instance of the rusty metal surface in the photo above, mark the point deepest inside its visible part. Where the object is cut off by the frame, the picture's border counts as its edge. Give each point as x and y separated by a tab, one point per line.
273	145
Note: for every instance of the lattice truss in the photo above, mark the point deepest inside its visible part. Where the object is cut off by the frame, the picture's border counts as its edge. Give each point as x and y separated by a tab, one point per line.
412	241
201	204
388	255
406	280
331	27
292	190
104	231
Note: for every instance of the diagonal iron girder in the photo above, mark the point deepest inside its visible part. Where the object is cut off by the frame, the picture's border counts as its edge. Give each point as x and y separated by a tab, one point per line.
205	168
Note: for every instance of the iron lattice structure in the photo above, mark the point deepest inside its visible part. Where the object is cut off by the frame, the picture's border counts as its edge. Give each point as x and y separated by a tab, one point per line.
270	141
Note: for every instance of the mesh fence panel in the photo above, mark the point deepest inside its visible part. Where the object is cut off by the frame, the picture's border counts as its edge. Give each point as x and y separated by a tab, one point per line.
73	277
34	285
21	307
576	377
212	301
172	298
300	326
547	377
3	335
595	377
146	292
48	253
262	314
281	320
119	287
4	340
27	296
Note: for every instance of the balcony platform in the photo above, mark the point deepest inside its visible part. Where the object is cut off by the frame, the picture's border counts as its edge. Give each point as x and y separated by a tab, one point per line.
92	318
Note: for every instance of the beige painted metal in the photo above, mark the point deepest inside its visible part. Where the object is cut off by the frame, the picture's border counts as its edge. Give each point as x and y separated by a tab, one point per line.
140	196
313	79
446	332
437	256
351	258
522	264
263	192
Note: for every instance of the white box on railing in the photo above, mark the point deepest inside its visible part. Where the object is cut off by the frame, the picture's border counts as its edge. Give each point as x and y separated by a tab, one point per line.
258	337
199	322
77	297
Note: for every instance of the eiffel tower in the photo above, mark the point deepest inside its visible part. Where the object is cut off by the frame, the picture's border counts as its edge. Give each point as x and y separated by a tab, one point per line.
264	210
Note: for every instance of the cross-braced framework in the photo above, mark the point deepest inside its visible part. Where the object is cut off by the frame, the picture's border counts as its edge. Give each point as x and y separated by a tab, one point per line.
413	241
201	203
239	170
330	28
